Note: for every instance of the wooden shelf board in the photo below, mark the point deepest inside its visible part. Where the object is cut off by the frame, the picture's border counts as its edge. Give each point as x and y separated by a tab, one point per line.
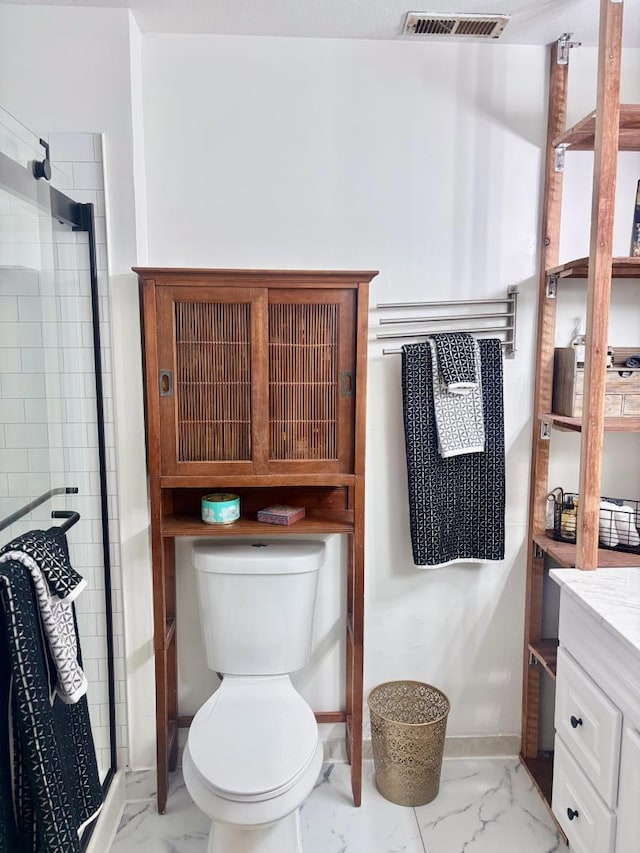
206	481
564	553
315	521
546	653
541	771
330	716
621	267
581	137
568	424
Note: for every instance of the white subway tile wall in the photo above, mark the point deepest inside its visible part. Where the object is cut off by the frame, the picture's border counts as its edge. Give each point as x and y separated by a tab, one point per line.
48	432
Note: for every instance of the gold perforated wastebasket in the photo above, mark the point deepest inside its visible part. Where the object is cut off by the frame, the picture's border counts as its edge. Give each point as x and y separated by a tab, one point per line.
408	725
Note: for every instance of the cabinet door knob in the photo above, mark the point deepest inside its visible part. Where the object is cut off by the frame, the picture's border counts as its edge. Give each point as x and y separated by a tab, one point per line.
571	813
575	722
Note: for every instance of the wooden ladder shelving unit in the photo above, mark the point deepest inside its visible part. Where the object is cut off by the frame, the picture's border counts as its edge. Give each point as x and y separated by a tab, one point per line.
605	131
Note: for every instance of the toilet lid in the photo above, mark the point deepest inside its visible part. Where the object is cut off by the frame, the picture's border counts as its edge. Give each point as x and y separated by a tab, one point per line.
253	737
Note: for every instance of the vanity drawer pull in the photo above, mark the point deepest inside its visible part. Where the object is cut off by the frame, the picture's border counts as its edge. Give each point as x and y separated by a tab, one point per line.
571	813
575	722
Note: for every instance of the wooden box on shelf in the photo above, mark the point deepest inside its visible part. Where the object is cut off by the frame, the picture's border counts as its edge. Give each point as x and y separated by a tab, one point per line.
622	396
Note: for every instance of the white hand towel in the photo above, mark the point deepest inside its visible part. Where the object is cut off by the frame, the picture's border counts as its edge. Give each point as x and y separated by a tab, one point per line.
608	529
625	521
459	417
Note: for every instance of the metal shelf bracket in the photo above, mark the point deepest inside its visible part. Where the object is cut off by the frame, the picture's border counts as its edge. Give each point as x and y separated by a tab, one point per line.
559	157
545	430
552	285
565	43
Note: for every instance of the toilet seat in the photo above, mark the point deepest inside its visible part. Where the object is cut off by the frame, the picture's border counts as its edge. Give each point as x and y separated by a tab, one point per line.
253	738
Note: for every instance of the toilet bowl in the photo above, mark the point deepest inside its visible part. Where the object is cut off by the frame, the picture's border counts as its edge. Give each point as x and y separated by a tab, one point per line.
253	752
253	755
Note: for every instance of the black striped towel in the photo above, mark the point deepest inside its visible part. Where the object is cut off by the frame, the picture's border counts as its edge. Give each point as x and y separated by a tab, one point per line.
456	504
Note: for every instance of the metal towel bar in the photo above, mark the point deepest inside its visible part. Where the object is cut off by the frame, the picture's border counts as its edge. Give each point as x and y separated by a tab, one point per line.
27	508
461	321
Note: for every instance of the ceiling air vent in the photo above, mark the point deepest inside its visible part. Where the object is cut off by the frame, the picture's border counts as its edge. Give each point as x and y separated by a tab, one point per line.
453	24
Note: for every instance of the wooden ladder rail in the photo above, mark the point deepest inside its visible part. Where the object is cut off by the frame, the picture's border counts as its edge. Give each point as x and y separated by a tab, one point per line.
599	283
549	257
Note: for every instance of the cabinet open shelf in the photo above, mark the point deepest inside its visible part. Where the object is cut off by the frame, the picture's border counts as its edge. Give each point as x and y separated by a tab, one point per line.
581	137
315	521
569	424
564	553
623	267
545	651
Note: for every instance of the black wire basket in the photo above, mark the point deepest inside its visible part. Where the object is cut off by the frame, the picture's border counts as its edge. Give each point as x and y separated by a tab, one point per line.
618	522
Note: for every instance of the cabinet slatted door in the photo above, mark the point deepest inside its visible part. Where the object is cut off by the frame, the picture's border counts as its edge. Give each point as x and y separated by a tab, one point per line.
311	381
207	357
232	359
213	381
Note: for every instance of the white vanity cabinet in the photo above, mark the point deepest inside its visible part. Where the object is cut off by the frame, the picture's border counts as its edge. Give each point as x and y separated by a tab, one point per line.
596	779
628	835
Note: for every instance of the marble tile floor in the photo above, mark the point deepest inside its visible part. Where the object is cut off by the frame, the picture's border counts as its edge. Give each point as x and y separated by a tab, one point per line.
485	805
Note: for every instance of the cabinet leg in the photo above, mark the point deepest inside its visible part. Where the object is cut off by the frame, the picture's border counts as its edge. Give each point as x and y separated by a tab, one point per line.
355	618
171	653
356	729
162	735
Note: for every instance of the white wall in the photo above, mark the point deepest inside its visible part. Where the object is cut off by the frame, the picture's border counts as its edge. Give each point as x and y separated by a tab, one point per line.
422	161
70	69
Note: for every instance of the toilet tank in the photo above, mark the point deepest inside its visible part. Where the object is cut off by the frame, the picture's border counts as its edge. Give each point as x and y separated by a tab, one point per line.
256	600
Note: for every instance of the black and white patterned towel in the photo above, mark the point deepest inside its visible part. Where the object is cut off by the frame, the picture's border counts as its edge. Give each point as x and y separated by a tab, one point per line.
49	782
456	504
459	416
45	555
457	361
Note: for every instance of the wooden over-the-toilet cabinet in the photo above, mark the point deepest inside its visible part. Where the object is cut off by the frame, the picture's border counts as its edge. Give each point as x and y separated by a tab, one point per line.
255	382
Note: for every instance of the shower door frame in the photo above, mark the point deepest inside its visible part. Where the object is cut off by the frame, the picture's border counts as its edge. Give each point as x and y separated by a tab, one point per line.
80	217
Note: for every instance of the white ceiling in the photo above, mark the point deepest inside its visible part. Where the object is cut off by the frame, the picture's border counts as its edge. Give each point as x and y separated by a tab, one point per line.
532	21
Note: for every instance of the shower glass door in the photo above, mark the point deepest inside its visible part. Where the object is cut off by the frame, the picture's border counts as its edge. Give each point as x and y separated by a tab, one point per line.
51	423
26	277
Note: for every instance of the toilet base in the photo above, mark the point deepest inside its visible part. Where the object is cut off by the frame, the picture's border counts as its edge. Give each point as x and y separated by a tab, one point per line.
283	836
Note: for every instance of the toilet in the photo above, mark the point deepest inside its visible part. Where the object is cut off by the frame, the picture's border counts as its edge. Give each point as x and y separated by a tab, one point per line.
253	753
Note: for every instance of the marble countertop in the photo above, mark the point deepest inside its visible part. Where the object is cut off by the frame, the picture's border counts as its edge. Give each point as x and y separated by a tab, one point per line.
612	596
